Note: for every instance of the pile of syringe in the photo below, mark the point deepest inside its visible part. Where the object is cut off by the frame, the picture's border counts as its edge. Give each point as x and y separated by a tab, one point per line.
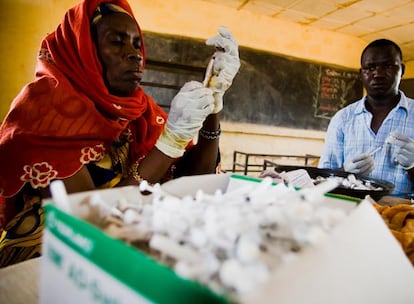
230	242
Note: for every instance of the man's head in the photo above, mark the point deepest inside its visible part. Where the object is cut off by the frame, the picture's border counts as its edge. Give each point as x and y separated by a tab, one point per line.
381	68
383	43
119	46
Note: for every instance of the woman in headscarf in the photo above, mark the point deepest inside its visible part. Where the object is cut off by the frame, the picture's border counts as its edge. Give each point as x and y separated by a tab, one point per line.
86	120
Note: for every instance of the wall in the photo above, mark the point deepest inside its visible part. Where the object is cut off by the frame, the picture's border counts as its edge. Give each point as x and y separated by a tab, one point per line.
25	22
409	70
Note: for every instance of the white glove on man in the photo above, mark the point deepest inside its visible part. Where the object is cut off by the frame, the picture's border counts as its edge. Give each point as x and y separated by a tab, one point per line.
405	152
223	66
362	164
189	108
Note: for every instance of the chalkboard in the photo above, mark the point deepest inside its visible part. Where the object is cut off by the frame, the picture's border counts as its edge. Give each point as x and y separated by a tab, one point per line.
336	90
269	89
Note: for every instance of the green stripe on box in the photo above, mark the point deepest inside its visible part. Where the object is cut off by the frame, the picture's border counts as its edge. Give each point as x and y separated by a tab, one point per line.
127	264
246	178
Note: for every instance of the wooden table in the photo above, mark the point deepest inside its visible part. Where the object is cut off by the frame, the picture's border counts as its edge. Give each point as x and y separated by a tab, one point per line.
19	283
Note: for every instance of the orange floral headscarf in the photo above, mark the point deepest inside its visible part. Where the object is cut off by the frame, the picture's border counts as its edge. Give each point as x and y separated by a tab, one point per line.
66	118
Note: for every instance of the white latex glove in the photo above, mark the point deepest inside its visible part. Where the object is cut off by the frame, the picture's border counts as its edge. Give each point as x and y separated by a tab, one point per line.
362	164
405	152
223	66
189	108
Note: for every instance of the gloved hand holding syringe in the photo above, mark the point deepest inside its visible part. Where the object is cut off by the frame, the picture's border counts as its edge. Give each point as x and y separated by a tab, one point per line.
223	65
404	155
364	163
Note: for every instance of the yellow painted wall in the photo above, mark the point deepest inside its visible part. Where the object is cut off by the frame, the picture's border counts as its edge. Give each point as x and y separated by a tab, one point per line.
25	22
409	70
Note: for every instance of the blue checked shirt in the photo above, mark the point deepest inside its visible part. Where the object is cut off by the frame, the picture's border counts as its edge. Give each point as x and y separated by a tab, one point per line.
349	134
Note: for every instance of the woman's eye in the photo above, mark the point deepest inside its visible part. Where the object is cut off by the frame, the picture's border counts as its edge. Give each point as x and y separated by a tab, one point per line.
137	44
117	42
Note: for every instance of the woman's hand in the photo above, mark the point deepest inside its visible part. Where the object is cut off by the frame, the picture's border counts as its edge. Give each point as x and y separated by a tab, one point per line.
223	66
189	109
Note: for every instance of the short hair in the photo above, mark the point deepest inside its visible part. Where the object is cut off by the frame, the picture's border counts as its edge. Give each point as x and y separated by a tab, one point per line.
380	43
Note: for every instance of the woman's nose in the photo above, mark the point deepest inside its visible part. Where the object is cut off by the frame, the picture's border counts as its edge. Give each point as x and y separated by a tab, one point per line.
134	56
133	53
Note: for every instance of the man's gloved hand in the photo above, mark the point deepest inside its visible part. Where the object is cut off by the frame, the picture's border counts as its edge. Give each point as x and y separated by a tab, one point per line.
405	151
223	66
362	164
189	108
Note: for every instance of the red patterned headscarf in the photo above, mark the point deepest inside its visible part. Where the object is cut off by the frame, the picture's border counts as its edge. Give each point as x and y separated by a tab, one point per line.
66	117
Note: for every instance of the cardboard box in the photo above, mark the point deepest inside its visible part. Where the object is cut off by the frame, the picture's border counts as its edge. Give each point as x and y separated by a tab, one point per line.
82	264
360	262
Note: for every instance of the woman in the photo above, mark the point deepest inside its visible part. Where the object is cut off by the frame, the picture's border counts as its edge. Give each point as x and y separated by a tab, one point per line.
86	120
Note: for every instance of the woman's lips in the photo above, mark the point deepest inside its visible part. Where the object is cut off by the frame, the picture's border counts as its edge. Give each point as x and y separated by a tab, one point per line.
134	75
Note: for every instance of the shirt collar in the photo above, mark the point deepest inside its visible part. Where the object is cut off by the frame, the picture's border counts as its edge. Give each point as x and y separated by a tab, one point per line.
403	103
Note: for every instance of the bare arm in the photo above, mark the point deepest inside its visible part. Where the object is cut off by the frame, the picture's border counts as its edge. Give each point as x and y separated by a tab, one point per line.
199	160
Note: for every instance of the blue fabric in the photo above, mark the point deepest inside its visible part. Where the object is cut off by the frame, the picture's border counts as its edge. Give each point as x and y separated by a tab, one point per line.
349	133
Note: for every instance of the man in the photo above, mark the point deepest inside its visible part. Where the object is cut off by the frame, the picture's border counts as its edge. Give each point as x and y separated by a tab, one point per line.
374	136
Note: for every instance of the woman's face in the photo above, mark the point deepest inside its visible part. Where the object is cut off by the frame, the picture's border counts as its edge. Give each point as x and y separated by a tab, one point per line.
119	49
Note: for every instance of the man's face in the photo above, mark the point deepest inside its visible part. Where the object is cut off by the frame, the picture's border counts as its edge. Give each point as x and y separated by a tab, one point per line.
119	49
381	71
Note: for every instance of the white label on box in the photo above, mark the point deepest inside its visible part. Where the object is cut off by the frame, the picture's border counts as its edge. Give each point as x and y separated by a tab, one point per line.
71	278
82	264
